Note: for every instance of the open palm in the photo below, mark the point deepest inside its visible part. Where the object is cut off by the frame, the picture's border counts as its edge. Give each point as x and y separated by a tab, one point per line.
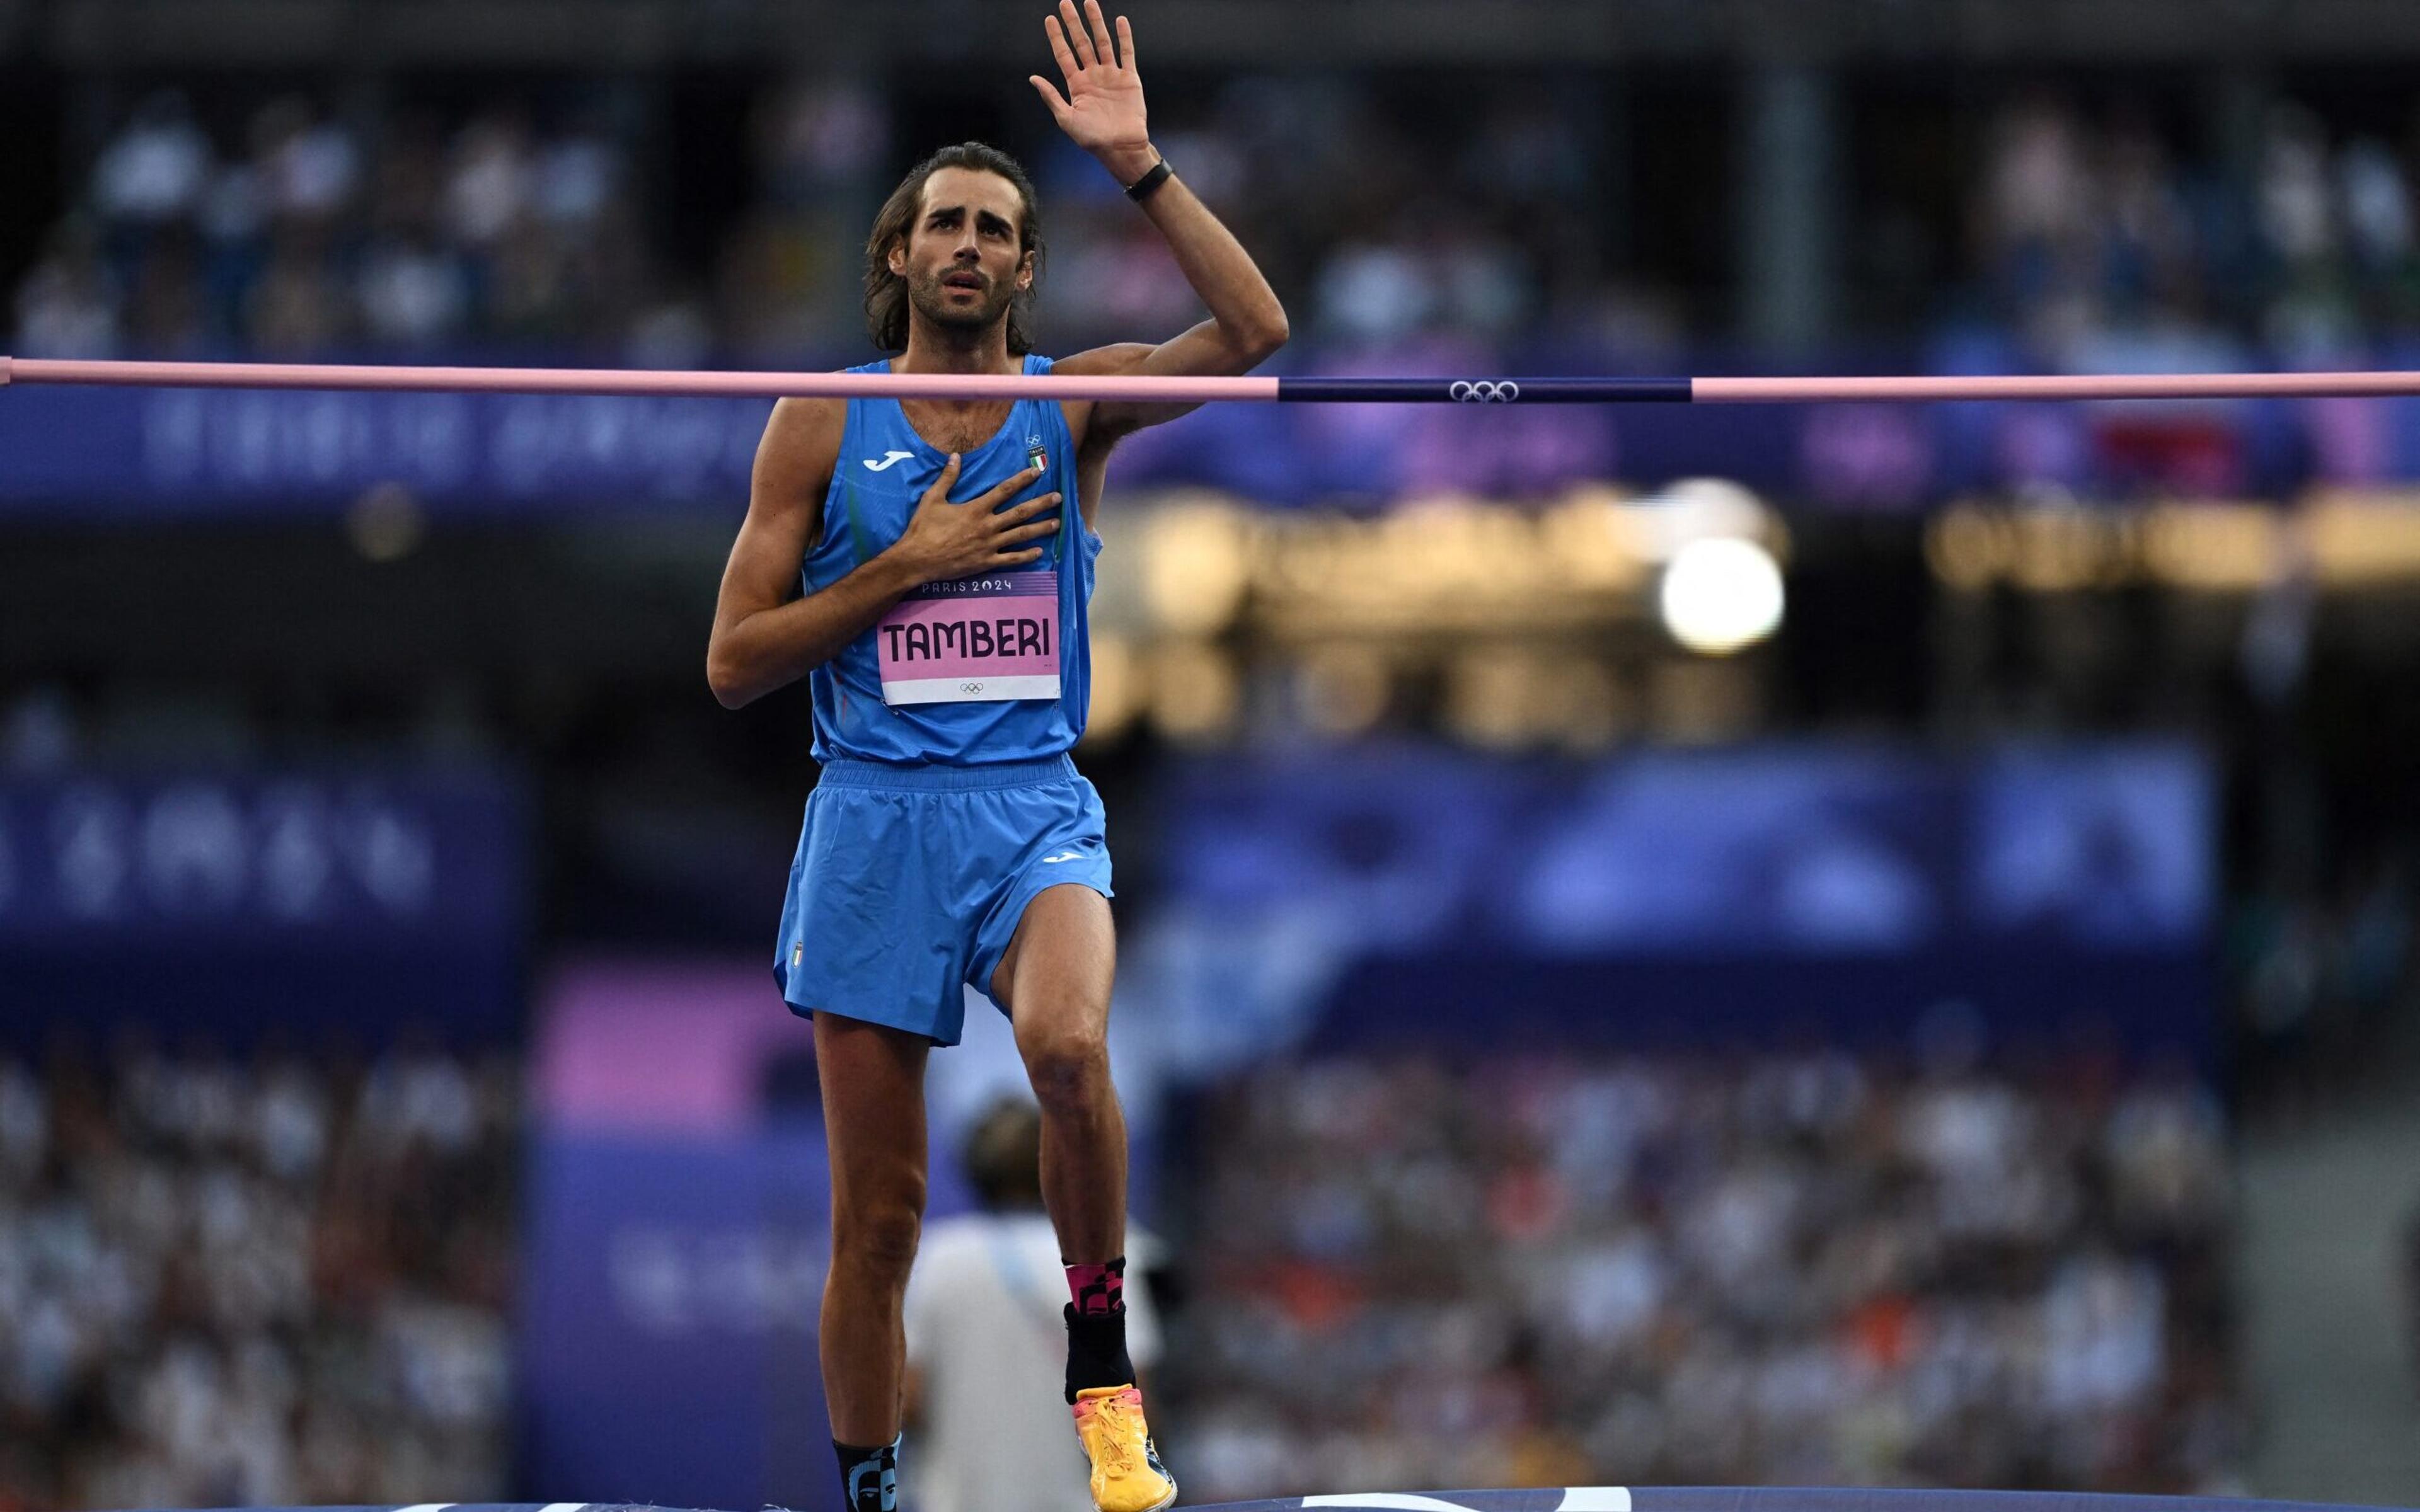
1102	110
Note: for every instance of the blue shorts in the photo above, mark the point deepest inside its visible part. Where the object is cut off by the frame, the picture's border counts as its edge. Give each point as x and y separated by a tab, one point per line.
909	881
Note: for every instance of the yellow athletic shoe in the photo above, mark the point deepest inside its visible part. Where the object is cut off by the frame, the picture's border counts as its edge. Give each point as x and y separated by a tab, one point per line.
1128	1475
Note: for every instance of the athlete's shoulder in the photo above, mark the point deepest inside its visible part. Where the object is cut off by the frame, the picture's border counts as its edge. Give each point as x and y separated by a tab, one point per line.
801	442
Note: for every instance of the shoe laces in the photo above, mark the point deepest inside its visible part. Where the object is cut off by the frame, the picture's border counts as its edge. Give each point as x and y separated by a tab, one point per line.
1117	1429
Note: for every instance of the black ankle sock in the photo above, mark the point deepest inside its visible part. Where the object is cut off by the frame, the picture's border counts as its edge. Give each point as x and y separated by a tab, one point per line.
1096	1351
869	1478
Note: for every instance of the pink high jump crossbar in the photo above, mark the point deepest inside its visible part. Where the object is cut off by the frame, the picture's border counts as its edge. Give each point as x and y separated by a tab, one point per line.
38	370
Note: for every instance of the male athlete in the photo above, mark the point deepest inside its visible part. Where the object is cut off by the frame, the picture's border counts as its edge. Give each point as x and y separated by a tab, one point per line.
926	567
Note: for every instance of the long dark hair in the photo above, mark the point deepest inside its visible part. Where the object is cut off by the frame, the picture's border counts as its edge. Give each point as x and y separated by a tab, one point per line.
886	292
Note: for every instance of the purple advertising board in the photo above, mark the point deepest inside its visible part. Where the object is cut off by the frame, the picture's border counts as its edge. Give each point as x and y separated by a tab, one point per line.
231	904
1841	890
677	1243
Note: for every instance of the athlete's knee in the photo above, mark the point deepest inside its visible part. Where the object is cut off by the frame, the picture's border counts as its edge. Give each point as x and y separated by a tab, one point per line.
880	1236
1069	1068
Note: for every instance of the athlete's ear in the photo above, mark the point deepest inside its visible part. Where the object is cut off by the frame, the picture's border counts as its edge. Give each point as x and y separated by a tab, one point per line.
898	258
1025	272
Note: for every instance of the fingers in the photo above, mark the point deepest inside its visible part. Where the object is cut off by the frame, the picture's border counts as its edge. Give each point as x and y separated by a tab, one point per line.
1067	64
1100	33
940	488
1027	510
1016	485
1078	37
1050	96
1016	558
1126	45
1029	532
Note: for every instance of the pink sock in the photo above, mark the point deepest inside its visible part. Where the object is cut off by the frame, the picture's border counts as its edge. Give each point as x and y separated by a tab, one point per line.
1099	1291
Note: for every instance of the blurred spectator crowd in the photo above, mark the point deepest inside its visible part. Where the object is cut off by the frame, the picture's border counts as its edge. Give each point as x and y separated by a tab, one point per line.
307	236
1507	213
1680	1273
304	233
228	1283
2102	246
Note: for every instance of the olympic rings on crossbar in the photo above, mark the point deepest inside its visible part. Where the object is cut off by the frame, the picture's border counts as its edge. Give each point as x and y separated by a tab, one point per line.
1484	391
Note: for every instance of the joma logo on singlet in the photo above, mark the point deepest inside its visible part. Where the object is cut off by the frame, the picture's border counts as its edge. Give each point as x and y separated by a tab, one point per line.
889	460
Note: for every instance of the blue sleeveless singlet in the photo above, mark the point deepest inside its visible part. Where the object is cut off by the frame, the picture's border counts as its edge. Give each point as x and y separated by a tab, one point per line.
883	468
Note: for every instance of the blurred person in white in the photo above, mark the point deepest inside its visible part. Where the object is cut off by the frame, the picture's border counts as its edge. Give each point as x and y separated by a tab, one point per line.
2303	231
2038	197
493	178
156	168
415	280
984	1340
308	167
413	293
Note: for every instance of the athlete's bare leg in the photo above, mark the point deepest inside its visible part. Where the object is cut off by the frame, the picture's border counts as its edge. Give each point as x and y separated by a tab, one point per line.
874	1121
1054	981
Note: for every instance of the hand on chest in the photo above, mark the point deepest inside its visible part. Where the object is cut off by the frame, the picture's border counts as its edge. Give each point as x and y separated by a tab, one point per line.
989	638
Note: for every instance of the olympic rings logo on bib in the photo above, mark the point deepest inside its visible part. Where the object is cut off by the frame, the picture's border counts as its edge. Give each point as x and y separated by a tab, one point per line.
1484	391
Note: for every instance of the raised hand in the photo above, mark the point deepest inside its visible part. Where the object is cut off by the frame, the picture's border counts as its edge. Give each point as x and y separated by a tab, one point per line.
1102	110
946	540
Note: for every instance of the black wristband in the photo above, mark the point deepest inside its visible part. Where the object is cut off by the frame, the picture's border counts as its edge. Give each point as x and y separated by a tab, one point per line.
1141	189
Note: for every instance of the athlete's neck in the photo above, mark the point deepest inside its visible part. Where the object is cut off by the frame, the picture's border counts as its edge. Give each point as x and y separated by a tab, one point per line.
938	349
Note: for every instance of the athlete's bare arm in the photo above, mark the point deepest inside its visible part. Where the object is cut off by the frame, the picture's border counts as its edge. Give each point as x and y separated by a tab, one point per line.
765	635
1101	112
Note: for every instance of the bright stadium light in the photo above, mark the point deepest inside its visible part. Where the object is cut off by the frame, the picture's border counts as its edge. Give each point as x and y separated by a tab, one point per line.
1721	595
1695	509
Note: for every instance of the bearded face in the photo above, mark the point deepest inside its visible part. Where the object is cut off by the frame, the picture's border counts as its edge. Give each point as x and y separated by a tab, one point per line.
959	297
963	257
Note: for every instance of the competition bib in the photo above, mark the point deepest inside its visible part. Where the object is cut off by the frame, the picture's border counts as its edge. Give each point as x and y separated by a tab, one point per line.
972	640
